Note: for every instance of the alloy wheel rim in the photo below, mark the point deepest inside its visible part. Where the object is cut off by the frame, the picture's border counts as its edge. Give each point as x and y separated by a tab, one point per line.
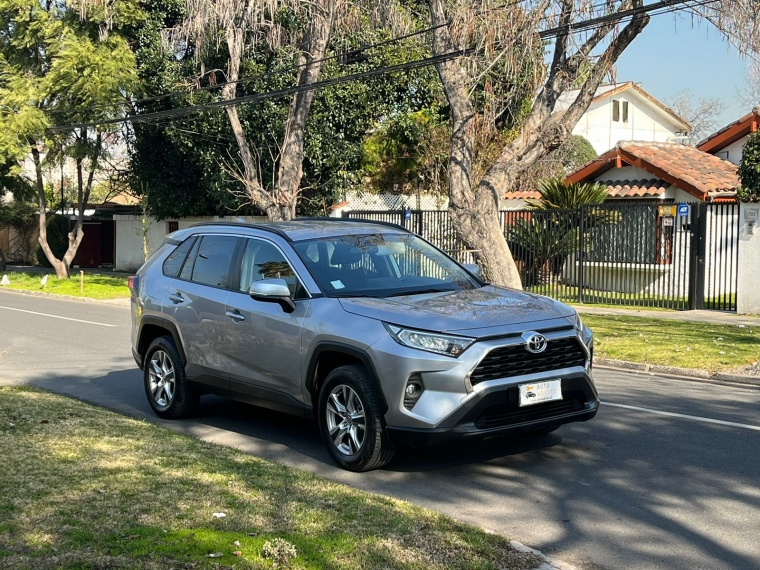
161	379
346	420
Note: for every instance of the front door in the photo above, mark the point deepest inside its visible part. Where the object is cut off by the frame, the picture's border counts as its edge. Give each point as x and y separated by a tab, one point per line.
262	340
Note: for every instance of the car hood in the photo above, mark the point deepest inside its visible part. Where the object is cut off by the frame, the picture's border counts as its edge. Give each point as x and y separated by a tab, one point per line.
460	310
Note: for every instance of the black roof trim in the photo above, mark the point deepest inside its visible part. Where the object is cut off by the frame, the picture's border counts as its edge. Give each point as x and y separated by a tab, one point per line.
270	229
359	220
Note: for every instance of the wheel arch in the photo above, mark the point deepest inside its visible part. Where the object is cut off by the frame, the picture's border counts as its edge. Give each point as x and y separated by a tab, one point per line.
329	355
151	328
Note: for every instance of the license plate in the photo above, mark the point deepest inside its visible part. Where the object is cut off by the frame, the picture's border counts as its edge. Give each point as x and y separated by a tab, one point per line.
538	392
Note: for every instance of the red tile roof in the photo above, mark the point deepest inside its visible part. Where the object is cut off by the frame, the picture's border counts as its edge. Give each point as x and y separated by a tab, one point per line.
635	188
702	175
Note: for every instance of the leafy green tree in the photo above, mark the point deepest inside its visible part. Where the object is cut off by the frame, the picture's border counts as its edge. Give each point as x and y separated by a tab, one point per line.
190	176
56	67
408	152
749	171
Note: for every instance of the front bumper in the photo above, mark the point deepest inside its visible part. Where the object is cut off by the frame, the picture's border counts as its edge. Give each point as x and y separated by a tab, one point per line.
497	413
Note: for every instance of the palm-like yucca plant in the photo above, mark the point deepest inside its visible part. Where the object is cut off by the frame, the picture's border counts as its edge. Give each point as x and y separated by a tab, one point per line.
558	195
546	239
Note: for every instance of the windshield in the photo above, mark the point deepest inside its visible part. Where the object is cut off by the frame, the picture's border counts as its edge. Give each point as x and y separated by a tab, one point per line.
381	265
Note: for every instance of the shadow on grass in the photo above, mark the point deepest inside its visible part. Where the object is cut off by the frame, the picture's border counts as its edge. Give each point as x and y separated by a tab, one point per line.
87	488
627	489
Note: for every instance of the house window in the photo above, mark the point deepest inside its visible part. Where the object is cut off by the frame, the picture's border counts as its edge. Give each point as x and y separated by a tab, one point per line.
616	108
172	226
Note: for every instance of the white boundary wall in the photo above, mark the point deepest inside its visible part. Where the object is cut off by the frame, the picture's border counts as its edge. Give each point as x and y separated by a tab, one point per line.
748	294
129	235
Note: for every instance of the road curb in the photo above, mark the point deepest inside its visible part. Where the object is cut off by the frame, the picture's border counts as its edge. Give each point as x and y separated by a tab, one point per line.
548	563
123	302
693	373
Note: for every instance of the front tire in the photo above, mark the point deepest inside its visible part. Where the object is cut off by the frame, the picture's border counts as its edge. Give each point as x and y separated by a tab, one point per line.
351	420
168	391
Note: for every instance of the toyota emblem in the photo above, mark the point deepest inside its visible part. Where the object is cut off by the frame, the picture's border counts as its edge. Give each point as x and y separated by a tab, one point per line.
535	342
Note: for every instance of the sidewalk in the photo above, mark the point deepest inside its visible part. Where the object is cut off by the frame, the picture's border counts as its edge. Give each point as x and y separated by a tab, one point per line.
711	317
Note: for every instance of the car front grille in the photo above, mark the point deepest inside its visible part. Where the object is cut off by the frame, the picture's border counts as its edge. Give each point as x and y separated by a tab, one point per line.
509	361
509	413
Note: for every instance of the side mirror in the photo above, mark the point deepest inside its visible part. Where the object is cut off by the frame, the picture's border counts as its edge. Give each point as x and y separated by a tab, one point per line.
273	291
473	268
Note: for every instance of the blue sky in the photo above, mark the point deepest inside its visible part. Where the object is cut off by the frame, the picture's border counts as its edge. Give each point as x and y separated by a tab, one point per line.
671	54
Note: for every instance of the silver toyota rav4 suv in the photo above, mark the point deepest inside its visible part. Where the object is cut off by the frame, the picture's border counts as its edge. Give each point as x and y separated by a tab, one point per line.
368	328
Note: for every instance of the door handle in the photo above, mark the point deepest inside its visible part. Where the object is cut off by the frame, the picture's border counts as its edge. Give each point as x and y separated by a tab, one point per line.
176	297
235	315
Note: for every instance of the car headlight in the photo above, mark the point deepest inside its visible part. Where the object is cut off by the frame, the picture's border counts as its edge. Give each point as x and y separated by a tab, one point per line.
432	342
583	330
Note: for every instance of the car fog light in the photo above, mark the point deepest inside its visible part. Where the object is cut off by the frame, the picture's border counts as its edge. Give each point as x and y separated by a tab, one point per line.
413	391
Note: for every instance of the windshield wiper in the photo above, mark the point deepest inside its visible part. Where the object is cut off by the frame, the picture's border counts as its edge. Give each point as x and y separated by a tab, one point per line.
420	292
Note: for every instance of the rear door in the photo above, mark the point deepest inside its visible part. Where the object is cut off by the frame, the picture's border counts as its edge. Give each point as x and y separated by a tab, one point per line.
196	299
262	340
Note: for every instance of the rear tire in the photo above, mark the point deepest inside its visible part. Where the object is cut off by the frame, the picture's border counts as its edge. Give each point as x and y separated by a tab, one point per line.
168	391
351	420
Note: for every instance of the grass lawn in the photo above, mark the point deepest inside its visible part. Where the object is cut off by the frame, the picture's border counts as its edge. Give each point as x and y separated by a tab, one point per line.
83	487
718	348
95	286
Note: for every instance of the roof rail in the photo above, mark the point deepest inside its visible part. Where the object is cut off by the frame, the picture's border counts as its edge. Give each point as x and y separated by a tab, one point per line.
359	220
271	229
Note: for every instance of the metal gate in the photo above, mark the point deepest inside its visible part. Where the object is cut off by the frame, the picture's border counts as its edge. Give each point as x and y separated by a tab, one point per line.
630	254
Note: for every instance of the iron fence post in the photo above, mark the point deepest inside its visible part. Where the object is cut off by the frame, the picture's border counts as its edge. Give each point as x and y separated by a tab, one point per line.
579	267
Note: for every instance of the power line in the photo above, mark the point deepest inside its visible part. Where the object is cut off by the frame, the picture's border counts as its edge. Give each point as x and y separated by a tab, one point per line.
661	6
291	68
267	95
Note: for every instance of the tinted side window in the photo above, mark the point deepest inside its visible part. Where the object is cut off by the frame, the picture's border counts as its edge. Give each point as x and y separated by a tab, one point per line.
187	269
173	263
262	260
212	265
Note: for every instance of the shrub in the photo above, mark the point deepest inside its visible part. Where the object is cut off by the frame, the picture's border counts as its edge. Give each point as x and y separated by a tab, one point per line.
58	228
749	171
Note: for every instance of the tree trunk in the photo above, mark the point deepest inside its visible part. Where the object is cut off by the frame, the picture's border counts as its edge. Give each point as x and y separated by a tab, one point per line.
250	175
61	270
279	203
474	212
290	170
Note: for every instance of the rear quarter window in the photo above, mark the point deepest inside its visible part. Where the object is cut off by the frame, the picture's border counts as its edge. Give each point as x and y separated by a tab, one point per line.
174	262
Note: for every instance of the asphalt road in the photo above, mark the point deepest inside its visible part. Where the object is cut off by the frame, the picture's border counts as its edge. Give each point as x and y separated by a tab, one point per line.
631	489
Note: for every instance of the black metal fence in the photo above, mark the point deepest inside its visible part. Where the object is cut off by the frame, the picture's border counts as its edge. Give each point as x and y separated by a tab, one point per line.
630	254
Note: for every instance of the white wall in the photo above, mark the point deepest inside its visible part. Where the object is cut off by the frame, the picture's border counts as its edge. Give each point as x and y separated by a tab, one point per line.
748	294
129	240
625	173
512	204
735	151
645	123
129	235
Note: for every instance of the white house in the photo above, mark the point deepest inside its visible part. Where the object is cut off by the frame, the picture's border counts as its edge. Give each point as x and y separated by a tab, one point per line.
624	112
728	143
